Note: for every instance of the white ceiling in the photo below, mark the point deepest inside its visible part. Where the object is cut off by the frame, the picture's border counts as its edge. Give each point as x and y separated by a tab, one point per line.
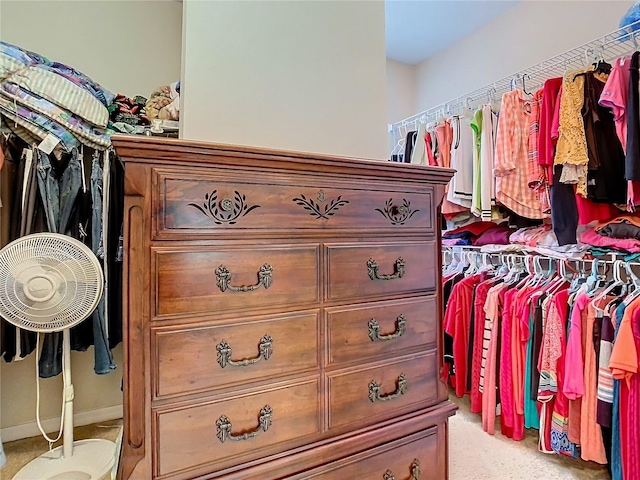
416	29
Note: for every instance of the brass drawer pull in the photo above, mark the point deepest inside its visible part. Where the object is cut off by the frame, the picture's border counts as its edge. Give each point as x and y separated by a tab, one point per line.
265	349
374	329
223	276
372	267
415	472
374	390
223	427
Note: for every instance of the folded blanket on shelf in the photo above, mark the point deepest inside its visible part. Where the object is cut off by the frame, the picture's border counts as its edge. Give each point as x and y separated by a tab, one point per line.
164	103
80	79
41	81
91	136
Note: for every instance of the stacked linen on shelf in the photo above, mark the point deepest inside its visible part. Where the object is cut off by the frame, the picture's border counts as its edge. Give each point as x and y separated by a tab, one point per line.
478	234
41	99
620	234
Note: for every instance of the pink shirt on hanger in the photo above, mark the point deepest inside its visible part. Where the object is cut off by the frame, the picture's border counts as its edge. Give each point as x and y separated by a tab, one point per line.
615	94
546	143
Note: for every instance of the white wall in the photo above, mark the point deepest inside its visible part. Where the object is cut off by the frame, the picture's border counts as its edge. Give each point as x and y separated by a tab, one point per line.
129	47
530	32
401	90
306	76
401	95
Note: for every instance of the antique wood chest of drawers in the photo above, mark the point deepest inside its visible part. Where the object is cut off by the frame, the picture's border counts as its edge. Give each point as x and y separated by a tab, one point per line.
282	316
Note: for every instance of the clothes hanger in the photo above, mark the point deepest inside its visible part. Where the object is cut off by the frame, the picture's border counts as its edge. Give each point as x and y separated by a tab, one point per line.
453	263
446	257
560	279
473	264
399	147
524	87
527	263
484	264
513	82
636	283
617	281
595	280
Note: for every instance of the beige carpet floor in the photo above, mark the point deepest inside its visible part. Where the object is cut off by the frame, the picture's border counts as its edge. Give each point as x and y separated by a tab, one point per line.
21	452
473	454
476	455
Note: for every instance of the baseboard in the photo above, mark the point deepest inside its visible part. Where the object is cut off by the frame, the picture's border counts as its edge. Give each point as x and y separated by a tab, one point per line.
30	429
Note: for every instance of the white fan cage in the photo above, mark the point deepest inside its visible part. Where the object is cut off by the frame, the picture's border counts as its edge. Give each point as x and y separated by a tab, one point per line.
48	282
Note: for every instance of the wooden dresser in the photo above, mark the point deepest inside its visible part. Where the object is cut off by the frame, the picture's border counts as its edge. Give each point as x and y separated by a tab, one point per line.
282	316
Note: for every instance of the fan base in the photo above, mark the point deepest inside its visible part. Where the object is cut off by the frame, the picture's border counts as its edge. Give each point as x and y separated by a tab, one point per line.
91	460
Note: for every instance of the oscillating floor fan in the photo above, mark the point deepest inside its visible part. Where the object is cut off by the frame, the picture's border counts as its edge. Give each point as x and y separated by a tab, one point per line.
51	282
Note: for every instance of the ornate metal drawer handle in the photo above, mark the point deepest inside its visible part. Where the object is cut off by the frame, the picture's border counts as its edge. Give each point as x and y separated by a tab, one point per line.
372	267
223	277
265	349
374	390
223	427
374	329
415	472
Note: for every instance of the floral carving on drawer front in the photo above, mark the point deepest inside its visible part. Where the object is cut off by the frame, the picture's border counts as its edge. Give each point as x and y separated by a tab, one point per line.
397	214
321	211
226	210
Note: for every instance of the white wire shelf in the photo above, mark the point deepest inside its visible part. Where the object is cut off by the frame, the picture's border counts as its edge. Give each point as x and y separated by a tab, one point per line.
623	41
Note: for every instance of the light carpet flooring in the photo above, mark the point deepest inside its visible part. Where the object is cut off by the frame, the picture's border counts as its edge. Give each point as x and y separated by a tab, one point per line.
21	452
473	454
476	455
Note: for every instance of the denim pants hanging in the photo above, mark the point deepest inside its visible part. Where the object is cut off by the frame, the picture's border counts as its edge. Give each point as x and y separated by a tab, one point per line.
49	191
58	197
70	184
103	356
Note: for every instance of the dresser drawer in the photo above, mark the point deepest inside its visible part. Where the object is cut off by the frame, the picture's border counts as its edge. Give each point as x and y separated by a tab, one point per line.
378	392
196	358
367	270
207	205
198	280
360	332
228	431
415	457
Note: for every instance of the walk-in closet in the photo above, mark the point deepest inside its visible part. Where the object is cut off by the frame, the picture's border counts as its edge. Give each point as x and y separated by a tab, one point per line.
305	240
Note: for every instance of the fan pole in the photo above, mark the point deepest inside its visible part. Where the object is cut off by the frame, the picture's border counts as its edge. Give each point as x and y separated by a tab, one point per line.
67	446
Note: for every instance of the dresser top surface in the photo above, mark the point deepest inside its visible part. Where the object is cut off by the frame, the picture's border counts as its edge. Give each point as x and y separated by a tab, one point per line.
167	151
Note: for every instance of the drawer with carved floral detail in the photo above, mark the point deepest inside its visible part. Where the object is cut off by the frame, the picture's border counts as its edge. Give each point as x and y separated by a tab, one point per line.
357	333
413	457
207	280
203	205
209	356
358	270
368	394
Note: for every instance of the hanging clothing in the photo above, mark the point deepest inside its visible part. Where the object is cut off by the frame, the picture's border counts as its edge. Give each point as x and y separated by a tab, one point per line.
632	164
546	142
487	154
571	149
419	154
615	95
476	126
461	187
511	159
536	175
606	182
409	146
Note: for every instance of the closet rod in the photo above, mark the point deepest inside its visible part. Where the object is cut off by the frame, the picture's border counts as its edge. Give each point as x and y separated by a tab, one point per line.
622	41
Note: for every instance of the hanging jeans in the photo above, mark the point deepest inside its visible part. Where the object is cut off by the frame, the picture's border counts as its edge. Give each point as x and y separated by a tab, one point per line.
58	198
49	191
103	356
70	184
